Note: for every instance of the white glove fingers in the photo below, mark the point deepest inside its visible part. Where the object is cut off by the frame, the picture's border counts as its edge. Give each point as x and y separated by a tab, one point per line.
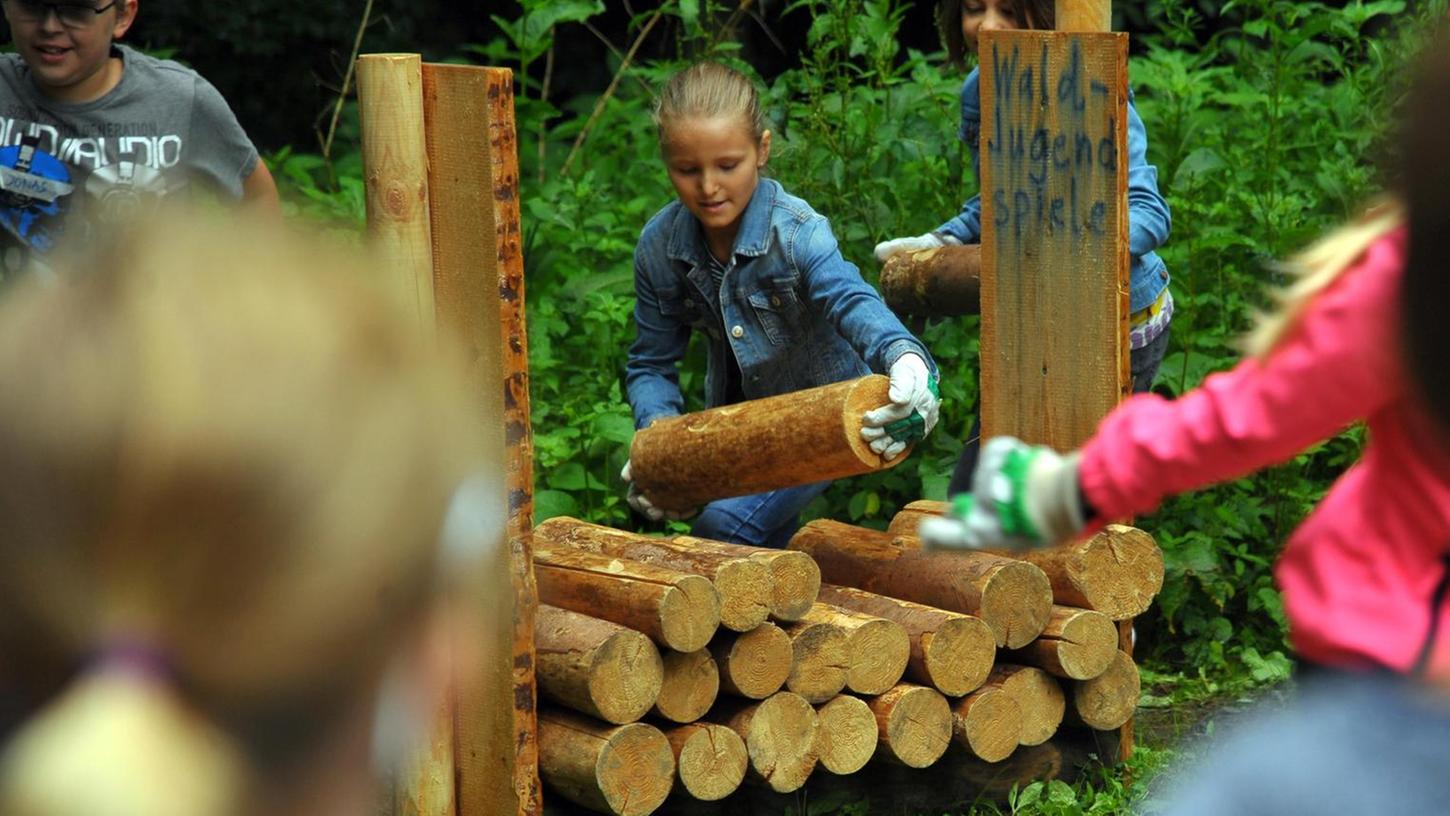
893	450
886	414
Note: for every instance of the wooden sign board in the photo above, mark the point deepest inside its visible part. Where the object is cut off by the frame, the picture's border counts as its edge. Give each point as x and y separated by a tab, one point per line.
1054	233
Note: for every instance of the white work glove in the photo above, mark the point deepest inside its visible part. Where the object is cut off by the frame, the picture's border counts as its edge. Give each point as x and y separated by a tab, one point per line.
930	240
644	506
1023	496
912	412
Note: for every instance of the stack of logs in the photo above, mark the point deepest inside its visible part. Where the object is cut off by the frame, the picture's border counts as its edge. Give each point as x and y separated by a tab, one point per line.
711	663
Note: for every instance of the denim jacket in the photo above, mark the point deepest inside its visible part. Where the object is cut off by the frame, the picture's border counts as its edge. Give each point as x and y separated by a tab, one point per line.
793	311
1148	216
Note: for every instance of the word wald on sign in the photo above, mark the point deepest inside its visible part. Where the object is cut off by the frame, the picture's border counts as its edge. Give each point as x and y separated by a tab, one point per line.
1043	129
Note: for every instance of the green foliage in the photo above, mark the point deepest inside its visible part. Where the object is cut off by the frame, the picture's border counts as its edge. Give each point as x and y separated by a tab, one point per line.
1266	120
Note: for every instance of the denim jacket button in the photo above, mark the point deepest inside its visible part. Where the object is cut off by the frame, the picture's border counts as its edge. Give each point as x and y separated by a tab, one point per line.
775	301
737	332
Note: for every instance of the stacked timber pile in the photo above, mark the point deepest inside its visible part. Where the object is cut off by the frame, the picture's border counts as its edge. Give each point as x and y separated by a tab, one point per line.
693	666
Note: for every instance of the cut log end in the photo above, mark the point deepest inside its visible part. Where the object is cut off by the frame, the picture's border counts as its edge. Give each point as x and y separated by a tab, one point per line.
819	664
959	655
1119	572
690	683
1107	701
876	656
711	760
988	723
744	588
914	724
1016	602
625	677
796	581
846	739
689	614
755	664
1078	644
635	770
868	393
780	739
1040	697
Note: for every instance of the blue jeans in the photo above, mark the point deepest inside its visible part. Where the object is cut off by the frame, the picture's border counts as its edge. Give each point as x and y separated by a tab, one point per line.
762	519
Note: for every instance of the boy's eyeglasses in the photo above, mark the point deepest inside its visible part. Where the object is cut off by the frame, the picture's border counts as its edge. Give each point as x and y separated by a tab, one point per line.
71	15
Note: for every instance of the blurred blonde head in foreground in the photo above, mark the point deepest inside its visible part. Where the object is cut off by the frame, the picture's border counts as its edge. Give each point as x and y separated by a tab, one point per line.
224	465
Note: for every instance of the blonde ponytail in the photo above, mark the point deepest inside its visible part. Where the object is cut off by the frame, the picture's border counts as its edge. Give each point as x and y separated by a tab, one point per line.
1318	266
115	744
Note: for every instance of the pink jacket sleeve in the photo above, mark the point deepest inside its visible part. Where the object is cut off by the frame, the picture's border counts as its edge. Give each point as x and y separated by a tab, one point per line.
1338	364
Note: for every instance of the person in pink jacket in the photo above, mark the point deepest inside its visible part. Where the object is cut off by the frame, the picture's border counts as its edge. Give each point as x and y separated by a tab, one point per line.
1365	576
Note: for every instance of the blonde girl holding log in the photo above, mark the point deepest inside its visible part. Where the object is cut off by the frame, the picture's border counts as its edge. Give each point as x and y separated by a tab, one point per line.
224	468
759	273
1366	577
1150	302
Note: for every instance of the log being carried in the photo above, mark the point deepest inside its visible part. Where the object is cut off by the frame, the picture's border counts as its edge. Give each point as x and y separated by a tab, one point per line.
942	282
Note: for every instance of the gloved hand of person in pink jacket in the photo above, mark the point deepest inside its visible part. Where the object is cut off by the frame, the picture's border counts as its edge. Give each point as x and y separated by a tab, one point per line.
1023	496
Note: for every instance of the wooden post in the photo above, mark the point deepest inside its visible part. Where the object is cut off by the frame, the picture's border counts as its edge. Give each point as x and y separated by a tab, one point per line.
441	174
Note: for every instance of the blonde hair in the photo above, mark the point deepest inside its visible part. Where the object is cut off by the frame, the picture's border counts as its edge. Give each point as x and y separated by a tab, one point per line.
1319	265
708	90
216	442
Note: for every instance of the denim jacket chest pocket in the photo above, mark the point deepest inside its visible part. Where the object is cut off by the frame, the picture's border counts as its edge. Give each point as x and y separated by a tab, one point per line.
779	309
685	307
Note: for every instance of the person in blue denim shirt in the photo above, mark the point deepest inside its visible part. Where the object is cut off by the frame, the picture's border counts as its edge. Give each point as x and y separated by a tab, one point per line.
1149	221
758	272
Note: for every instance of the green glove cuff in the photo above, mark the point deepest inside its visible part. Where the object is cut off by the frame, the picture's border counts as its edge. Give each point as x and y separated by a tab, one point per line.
933	386
1012	512
909	429
960	506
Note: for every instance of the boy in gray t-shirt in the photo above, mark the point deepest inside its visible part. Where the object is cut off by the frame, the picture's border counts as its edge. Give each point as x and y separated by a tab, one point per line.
92	131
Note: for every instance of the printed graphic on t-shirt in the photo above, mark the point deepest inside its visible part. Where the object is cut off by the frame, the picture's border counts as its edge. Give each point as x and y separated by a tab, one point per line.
40	171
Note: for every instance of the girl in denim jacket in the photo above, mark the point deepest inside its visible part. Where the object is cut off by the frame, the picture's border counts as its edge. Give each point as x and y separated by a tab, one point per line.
758	272
1148	217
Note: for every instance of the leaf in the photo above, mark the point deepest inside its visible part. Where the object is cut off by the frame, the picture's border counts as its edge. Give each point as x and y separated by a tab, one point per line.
568	476
690	12
615	428
551	503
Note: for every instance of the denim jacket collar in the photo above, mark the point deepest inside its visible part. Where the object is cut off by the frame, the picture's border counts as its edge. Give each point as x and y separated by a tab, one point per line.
753	240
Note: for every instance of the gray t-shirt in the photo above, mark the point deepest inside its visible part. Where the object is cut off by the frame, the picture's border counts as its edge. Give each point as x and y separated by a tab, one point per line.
65	166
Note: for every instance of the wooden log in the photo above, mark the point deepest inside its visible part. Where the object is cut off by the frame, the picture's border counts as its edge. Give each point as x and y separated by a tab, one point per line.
794	577
676	609
1012	597
599	668
913	724
754	664
1037	693
1077	644
780	737
1083	15
941	282
950	652
1108	701
1117	571
743	583
686	461
988	723
877	648
710	759
818	659
846	738
691	682
626	770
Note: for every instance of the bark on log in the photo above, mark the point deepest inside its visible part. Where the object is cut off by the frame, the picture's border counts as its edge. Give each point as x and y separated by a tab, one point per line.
877	648
950	651
749	447
846	738
1108	700
1077	644
941	282
691	683
988	723
1039	695
594	666
743	584
676	609
818	659
1118	571
626	770
1012	597
913	724
710	759
780	737
754	664
794	577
